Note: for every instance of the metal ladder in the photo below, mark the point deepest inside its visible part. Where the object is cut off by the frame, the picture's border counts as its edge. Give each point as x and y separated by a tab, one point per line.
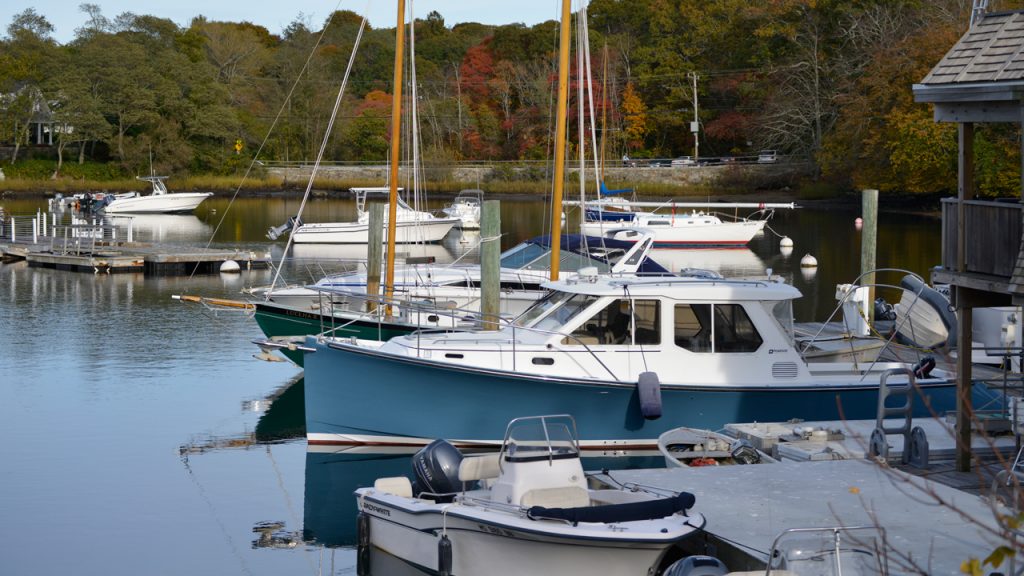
915	442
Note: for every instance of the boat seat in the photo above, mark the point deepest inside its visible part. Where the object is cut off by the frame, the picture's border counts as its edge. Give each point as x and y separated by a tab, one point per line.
396	485
563	497
479	467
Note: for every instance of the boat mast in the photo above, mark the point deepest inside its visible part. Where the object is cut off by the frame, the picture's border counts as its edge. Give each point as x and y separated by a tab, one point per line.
560	122
396	135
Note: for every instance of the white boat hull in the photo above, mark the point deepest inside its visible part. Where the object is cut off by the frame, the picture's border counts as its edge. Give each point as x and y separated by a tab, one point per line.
681	232
513	547
158	203
358	233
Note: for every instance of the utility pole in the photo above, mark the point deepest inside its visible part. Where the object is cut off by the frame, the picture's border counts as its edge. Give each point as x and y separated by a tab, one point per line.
695	125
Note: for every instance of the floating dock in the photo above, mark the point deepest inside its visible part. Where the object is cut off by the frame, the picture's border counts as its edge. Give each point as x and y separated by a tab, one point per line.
929	528
150	259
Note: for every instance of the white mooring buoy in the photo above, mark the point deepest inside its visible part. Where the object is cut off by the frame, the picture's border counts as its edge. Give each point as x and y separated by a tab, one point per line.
786	242
230	266
808	261
858	223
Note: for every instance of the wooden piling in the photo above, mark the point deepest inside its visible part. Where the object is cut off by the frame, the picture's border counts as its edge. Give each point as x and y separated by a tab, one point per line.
374	254
490	264
868	244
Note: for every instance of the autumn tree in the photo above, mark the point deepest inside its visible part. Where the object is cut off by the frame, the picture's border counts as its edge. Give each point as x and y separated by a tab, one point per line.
634	118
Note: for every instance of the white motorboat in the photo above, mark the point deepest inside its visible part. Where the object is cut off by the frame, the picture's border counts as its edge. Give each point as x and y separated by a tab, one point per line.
631	357
159	201
524	510
690	447
466	207
524	268
411	225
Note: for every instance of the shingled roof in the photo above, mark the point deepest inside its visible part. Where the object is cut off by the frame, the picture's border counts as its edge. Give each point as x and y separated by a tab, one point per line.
991	51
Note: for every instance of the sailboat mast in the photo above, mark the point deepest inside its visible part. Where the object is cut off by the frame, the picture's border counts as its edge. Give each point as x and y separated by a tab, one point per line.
396	137
560	128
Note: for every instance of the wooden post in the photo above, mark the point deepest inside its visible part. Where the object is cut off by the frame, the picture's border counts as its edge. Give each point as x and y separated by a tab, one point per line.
965	192
490	264
868	244
374	254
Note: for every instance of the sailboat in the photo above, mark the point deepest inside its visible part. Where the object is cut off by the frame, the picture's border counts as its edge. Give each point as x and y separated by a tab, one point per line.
412	225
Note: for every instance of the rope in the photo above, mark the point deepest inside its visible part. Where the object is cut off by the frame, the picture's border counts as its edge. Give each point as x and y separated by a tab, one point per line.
320	153
266	138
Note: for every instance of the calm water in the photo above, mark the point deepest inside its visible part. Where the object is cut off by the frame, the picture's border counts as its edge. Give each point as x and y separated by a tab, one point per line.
140	436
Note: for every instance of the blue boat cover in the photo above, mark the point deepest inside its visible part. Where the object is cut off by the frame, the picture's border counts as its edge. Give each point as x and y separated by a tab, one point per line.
606	192
575	243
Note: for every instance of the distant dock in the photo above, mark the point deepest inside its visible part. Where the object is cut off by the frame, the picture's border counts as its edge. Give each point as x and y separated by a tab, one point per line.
96	248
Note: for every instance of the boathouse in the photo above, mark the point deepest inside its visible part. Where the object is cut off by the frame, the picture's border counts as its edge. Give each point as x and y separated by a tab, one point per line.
980	80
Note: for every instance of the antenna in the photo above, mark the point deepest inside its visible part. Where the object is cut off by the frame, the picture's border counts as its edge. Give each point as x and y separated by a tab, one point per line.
978	11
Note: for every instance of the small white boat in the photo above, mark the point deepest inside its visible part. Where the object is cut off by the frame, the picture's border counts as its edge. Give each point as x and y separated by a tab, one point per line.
466	207
691	447
525	510
410	225
159	201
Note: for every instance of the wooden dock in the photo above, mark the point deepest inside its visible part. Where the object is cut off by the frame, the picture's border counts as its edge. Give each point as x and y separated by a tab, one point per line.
116	257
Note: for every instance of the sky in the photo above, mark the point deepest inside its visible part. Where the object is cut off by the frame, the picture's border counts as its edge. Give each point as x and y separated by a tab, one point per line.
276	15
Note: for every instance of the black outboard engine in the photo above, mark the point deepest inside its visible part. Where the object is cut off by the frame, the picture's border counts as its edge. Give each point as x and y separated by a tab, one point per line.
436	471
744	453
697	566
275	232
923	369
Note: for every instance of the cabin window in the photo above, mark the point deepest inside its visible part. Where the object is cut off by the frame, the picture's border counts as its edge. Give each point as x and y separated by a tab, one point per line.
782	311
693	327
734	332
621	322
730	331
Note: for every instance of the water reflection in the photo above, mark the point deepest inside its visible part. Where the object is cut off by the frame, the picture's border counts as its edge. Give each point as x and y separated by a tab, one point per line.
331	478
163	227
728	262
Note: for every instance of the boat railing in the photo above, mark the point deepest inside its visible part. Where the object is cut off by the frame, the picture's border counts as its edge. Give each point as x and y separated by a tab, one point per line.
805	345
379	308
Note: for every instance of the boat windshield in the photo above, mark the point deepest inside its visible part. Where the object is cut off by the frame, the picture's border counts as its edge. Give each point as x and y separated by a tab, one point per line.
822	552
782	311
554	310
541	438
530	256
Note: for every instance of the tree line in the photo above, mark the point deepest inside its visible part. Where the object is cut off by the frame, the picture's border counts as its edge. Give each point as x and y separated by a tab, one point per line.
826	81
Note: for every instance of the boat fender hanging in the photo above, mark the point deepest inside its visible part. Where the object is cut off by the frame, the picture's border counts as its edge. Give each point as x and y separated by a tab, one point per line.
648	387
444	556
923	369
363	546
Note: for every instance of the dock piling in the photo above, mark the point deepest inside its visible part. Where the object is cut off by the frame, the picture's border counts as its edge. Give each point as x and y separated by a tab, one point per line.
868	242
374	254
490	263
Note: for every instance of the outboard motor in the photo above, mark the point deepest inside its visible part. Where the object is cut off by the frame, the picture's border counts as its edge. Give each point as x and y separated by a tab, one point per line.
744	453
924	368
697	566
275	232
436	471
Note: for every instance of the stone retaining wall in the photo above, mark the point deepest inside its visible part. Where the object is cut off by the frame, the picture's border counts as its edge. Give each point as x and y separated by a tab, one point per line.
689	176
